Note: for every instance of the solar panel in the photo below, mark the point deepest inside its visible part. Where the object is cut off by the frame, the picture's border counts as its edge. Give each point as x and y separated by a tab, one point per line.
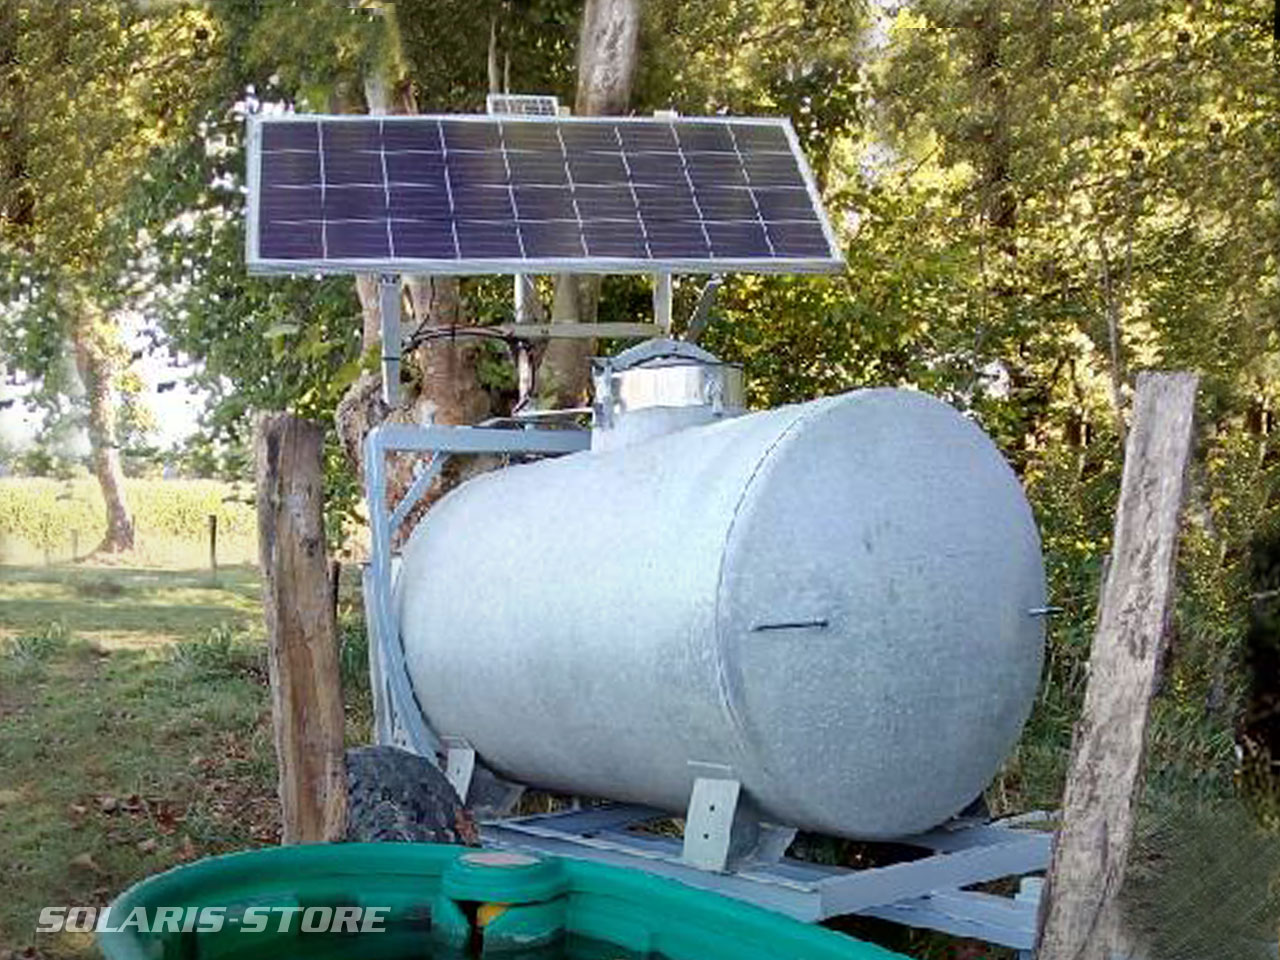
522	104
498	194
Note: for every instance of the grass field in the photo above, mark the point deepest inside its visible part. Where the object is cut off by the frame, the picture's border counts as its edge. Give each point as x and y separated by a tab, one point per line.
44	520
135	734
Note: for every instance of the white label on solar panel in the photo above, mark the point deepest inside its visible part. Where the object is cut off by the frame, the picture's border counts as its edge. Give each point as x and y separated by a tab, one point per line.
528	194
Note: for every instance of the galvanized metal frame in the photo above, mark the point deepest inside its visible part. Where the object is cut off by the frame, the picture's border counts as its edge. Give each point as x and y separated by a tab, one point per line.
833	263
398	716
925	893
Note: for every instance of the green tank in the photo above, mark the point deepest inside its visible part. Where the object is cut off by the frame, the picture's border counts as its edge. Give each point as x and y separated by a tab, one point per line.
434	902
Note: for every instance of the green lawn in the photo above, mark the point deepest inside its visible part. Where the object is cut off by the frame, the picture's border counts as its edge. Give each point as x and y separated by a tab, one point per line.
135	733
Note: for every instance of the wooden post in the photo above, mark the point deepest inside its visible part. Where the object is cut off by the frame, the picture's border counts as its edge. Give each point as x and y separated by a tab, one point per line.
213	545
306	695
1078	916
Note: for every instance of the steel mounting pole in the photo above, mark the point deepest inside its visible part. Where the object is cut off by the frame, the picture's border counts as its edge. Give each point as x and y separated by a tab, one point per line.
389	310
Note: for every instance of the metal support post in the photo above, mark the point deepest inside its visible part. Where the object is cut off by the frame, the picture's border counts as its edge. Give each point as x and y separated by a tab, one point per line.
662	296
389	310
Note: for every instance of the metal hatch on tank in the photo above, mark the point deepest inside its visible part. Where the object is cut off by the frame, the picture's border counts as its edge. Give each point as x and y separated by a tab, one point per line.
825	616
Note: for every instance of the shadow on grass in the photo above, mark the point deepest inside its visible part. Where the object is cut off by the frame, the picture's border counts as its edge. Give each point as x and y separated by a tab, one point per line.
126	605
120	762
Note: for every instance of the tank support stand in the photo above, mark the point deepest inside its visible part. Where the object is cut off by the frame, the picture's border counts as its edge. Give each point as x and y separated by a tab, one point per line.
928	892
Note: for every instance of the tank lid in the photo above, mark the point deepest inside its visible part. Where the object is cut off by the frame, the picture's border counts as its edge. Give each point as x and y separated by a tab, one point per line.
665	374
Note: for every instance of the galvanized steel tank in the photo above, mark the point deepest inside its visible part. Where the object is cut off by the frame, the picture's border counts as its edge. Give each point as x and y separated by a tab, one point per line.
832	599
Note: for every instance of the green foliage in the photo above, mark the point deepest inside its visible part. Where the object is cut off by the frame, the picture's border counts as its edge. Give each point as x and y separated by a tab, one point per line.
29	651
225	651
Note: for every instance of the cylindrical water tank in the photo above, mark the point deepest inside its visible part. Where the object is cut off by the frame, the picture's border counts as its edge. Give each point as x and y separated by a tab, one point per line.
834	600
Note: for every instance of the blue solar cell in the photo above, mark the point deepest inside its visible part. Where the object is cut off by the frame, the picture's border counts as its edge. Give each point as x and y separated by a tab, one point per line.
355	203
757	137
667	203
705	136
772	170
643	136
357	239
339	136
727	203
471	135
398	135
736	239
293	203
584	137
530	136
353	167
605	203
712	170
485	239
483	203
420	203
545	203
798	239
425	168
598	168
677	238
790	204
472	168
654	168
291	136
551	238
293	241
291	168
614	238
532	168
423	239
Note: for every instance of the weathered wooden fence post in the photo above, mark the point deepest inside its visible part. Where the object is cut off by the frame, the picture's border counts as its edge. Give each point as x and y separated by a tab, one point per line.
306	695
1078	916
213	545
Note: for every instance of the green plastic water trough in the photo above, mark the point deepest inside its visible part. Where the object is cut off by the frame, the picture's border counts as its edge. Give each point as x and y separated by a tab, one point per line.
442	901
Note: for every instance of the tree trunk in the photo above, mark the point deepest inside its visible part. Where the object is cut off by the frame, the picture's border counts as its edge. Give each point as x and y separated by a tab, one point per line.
95	342
447	389
607	54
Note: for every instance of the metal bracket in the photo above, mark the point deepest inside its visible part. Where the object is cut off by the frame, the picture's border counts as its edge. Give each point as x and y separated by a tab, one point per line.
701	315
460	765
389	312
720	828
399	717
662	300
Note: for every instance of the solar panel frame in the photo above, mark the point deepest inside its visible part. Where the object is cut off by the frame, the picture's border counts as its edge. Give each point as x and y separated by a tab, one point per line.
490	255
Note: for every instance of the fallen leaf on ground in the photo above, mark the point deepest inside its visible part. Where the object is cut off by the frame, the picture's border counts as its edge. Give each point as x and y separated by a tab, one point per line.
86	862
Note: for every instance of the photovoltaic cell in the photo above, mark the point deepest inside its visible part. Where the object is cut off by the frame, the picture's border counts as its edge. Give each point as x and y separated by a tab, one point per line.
502	194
